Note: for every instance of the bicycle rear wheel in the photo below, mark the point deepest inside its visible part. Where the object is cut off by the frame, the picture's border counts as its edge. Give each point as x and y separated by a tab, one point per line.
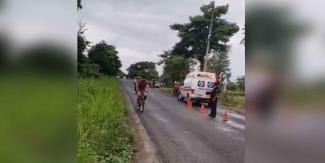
142	107
139	107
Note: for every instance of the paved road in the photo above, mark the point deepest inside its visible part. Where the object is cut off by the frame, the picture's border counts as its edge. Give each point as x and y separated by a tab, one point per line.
183	135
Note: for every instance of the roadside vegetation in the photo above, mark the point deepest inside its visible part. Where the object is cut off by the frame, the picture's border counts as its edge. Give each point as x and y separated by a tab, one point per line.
233	100
103	133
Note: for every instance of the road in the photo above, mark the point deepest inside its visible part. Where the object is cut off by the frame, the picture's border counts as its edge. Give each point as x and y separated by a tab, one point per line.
183	135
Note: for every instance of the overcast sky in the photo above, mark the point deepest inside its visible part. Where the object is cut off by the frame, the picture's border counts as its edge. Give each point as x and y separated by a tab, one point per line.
140	28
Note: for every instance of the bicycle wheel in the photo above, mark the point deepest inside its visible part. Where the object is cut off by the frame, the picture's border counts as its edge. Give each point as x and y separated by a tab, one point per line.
142	107
139	107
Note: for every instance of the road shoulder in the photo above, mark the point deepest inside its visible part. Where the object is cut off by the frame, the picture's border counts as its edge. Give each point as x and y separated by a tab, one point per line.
144	151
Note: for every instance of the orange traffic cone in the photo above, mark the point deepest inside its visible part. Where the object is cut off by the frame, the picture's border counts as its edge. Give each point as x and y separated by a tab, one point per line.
202	109
189	103
225	116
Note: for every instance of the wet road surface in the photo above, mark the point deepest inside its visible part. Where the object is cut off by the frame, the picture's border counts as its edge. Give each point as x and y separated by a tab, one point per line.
183	135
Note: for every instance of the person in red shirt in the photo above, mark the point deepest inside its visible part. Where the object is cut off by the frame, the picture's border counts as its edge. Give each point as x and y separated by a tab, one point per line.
175	88
142	86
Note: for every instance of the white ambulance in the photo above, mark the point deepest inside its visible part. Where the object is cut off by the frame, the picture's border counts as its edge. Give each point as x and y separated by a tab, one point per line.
197	86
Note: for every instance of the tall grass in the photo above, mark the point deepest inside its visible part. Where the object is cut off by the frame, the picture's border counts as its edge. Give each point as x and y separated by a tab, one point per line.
103	134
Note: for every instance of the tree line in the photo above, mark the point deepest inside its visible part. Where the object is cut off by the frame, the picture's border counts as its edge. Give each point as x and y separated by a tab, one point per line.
101	58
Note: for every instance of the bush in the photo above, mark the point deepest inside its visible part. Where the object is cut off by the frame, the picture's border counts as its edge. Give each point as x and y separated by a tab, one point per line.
103	134
232	99
88	70
231	86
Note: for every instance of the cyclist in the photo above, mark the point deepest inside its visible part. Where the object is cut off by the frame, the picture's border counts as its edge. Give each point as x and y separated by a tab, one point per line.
142	86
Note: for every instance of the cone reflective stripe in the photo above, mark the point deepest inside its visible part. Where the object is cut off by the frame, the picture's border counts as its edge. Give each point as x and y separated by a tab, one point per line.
225	116
202	109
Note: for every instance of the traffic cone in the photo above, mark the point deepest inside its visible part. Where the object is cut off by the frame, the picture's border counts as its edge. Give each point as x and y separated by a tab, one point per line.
225	116
202	109
189	103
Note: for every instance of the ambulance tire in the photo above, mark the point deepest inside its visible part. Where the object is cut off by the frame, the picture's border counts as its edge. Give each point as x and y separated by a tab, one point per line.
180	97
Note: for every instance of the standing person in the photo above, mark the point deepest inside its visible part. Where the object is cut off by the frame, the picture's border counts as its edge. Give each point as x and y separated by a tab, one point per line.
214	99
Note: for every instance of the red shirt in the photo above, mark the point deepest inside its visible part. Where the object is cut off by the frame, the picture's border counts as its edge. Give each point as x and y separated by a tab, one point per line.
142	84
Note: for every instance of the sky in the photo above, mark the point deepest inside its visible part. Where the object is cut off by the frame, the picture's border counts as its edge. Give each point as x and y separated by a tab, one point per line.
140	28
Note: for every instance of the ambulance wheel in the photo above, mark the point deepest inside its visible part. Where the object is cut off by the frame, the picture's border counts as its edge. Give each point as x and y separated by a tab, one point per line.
180	97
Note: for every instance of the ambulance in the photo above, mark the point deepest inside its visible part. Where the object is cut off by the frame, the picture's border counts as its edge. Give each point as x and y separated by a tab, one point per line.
197	86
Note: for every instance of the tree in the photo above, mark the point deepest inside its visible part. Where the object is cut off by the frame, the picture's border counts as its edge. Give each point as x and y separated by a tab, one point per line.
241	83
148	69
272	31
47	58
106	57
219	63
121	74
82	44
231	86
194	35
176	67
4	52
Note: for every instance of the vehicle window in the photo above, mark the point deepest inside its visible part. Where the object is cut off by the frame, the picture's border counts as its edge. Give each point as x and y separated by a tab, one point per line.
187	84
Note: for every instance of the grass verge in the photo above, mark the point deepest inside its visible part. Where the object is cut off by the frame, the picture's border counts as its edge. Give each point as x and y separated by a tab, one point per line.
103	133
233	100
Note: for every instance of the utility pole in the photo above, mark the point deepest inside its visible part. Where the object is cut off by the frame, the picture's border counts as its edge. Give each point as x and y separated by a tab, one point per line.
209	39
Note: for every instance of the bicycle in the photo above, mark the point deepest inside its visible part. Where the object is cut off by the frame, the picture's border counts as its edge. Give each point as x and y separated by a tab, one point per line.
141	101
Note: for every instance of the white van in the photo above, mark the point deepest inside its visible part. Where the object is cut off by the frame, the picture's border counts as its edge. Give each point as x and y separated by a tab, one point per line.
197	86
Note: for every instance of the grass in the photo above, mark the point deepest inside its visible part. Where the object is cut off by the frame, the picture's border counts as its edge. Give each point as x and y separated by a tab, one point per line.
103	134
37	120
233	100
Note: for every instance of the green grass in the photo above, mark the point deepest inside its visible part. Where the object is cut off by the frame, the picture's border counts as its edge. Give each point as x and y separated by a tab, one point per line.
103	134
233	100
37	120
